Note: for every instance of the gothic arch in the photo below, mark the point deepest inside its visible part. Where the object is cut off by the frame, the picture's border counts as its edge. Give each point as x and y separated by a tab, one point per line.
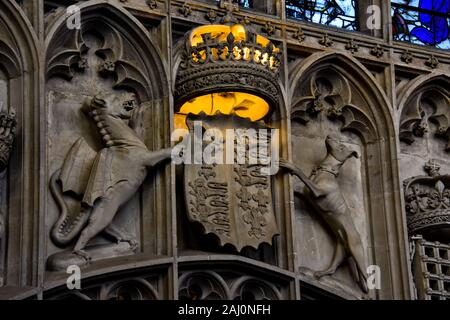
431	90
20	65
378	121
371	118
125	23
422	83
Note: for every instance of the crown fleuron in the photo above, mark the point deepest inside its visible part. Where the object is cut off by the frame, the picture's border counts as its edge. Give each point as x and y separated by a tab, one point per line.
223	58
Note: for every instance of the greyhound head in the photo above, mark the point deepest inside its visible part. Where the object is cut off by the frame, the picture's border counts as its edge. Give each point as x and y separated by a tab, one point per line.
339	150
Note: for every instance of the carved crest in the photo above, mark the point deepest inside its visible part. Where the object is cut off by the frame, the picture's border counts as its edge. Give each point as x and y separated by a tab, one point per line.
428	202
232	201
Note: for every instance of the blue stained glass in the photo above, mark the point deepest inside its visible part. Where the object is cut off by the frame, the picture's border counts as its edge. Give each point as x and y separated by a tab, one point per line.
423	22
336	13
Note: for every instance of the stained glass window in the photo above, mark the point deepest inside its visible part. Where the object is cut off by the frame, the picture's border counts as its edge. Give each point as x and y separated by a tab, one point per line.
336	13
423	22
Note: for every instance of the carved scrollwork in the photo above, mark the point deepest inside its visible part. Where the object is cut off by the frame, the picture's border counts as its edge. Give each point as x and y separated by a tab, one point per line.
416	117
329	92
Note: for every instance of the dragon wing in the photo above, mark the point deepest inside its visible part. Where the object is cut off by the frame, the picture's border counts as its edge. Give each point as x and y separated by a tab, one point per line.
77	168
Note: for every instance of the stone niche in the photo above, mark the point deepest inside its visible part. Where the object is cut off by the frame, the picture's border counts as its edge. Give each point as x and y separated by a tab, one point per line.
105	61
67	124
315	242
329	101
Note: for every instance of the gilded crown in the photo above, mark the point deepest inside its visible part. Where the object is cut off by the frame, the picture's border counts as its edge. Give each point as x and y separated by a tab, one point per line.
224	58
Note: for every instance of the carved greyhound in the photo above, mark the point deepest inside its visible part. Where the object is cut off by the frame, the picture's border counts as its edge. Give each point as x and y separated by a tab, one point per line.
326	197
104	181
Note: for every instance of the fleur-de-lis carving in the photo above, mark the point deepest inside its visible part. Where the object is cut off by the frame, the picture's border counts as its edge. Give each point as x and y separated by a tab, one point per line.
211	16
377	51
406	57
186	10
432	62
269	28
352	46
326	40
299	35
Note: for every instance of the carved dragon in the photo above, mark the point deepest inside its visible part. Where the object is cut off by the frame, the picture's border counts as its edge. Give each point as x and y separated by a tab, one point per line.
102	181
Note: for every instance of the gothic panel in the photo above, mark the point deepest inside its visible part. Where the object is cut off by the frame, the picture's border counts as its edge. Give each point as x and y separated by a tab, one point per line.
424	124
342	131
126	285
232	281
106	97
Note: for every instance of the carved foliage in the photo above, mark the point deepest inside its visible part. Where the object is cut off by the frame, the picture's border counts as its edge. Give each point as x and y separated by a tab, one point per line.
415	119
328	91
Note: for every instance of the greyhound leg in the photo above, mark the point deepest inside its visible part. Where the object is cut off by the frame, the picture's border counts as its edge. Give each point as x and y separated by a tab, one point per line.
357	255
338	257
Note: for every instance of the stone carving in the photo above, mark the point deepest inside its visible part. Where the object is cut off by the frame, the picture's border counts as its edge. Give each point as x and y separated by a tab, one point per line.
428	204
377	51
432	62
326	40
203	285
232	201
407	57
299	35
352	46
269	28
72	56
135	288
102	181
211	285
415	119
7	130
328	91
325	196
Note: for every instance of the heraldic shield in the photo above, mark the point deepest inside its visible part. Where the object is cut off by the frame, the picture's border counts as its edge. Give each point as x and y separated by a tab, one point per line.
231	201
